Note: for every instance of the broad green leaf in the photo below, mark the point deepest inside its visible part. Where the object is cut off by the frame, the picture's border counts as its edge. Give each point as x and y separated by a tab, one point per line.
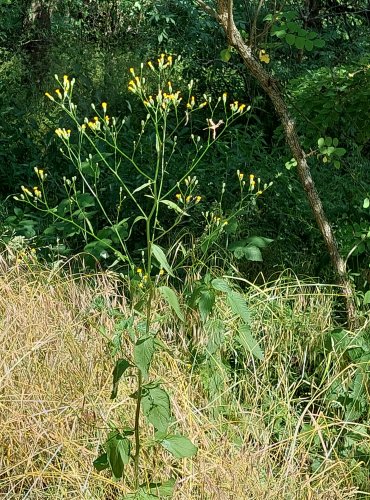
367	297
156	407
225	55
311	35
336	164
308	44
250	344
119	369
335	141
143	354
253	253
170	296
299	42
366	203
205	303
280	33
290	39
118	453
101	463
319	43
220	285
340	151
238	306
163	490
179	446
259	241
161	258
85	200
294	27
321	142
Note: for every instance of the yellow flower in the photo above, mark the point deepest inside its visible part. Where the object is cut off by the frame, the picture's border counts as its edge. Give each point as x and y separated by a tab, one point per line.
150	64
169	60
179	196
104	106
197	199
241	176
139	271
106	119
188	199
265	58
224	97
37	192
26	191
132	71
58	93
241	108
49	96
161	272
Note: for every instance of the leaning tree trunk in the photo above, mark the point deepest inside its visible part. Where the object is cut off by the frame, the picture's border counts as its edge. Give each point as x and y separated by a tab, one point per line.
224	16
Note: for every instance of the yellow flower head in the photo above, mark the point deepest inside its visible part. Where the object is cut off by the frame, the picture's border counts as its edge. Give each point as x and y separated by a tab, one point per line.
179	196
49	96
132	71
104	106
58	93
197	199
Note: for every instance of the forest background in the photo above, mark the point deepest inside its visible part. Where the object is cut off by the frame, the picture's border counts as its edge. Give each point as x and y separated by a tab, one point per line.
177	199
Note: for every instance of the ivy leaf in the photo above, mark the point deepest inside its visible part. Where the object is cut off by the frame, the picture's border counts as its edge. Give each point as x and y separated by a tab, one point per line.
179	446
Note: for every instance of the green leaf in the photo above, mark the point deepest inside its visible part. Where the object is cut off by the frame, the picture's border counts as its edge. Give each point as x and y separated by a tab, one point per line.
299	42
143	354
225	55
161	258
336	164
340	151
321	142
280	33
250	344
85	200
205	303
220	285
101	463
335	141
308	44
366	203
290	39
294	27
119	369
238	306
170	296
319	43
143	186
156	406
179	446
259	241
175	207
311	35
253	253
163	490
367	298
118	453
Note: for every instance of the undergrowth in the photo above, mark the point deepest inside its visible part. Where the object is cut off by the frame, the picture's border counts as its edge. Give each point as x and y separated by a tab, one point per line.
294	424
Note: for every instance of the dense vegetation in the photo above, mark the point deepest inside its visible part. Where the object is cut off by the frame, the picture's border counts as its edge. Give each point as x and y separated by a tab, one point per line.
159	222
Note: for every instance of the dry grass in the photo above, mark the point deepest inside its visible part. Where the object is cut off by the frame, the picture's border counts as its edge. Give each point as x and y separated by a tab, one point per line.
55	382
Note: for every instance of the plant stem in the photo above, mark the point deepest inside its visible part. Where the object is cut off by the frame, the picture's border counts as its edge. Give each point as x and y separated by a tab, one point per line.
137	430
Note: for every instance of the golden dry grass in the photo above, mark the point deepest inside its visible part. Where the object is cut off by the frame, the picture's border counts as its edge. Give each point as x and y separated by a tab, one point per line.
55	407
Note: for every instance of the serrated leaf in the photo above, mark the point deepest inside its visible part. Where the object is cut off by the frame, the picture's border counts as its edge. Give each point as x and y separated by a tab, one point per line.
179	446
220	285
156	407
206	302
101	463
250	344
171	298
143	354
161	258
119	369
118	453
238	306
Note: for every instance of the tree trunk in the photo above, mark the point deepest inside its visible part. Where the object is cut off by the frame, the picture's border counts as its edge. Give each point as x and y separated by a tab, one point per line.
224	16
